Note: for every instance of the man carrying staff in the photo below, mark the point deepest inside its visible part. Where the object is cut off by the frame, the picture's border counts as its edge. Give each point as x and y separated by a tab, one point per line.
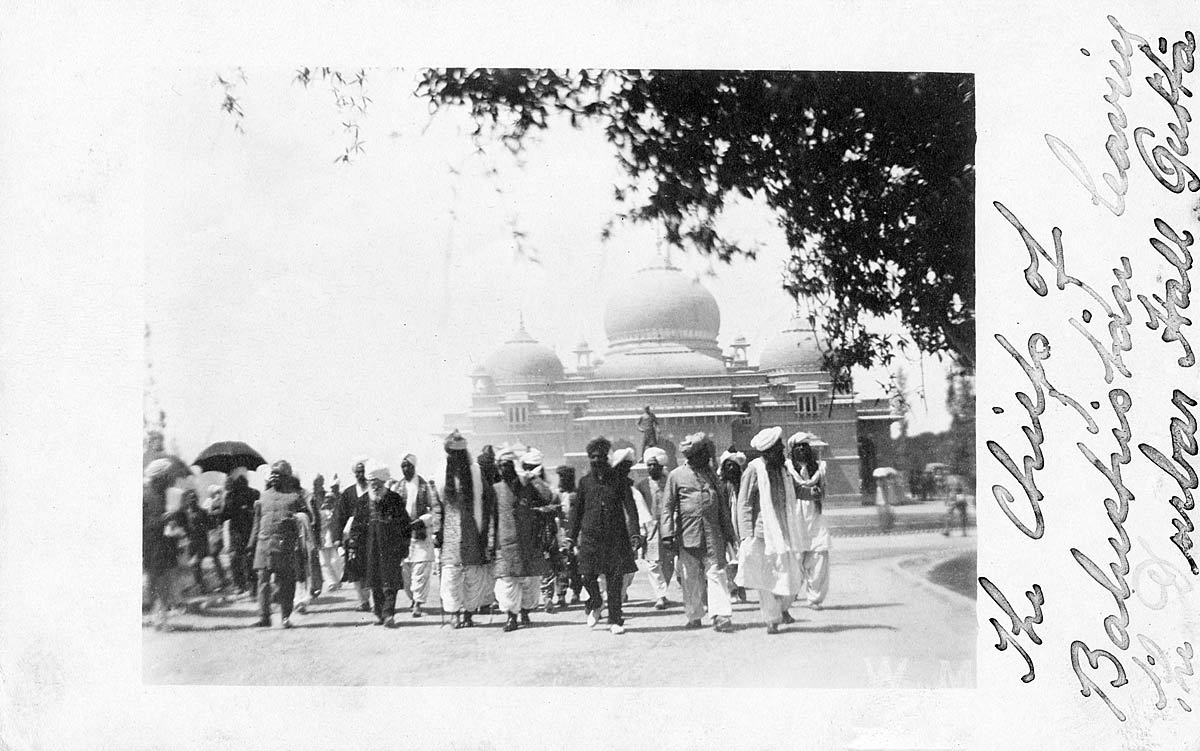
419	500
462	517
274	540
379	531
519	563
773	535
603	532
353	570
661	560
695	521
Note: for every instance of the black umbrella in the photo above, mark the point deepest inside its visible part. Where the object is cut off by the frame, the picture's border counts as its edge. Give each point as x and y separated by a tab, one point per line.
224	456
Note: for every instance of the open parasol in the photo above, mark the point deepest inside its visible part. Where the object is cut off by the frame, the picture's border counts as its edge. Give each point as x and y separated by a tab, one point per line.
225	456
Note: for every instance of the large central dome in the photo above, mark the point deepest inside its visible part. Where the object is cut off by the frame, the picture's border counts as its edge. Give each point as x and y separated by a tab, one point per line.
662	323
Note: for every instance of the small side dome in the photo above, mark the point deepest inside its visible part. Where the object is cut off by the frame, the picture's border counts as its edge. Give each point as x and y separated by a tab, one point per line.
794	349
523	361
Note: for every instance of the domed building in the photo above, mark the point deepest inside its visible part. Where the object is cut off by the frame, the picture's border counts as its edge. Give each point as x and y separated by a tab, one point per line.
662	330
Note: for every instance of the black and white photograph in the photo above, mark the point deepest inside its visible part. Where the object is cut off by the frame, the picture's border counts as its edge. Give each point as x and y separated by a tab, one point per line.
668	376
559	377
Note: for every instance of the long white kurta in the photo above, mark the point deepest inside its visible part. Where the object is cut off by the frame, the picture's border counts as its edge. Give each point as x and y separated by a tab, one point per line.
772	563
815	559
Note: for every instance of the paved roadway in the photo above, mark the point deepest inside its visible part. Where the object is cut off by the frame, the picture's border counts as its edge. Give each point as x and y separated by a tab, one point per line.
884	625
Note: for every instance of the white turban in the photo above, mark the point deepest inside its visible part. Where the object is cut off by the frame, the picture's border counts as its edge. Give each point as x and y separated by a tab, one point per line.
738	457
378	471
766	438
506	454
157	468
656	454
411	459
621	455
533	458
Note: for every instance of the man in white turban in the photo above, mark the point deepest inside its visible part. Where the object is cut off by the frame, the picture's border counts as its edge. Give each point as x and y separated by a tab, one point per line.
420	498
548	507
773	536
695	521
352	571
660	560
380	530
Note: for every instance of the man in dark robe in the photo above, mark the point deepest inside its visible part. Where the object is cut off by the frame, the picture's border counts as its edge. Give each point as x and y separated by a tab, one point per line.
353	570
238	510
604	533
380	530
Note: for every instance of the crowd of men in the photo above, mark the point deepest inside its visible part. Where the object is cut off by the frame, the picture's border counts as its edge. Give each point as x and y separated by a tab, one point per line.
500	536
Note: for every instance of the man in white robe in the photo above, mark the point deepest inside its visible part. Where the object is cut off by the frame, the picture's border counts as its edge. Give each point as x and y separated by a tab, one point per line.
419	500
809	475
773	536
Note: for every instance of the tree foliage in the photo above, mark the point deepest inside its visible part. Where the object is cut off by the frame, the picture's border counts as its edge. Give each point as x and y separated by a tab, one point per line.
871	176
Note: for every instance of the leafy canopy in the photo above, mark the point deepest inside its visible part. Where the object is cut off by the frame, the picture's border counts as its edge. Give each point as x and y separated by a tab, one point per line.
871	176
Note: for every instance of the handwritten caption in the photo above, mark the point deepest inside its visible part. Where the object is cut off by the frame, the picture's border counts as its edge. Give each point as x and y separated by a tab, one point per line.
1107	321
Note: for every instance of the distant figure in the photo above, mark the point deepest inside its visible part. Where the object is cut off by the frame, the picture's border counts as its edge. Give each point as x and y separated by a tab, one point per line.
885	496
647	424
956	502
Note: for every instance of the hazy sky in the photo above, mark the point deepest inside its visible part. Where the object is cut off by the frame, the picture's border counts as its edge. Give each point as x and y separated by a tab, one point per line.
322	311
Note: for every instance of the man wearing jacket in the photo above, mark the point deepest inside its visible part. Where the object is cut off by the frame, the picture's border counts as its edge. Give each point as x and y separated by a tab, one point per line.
696	522
274	542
